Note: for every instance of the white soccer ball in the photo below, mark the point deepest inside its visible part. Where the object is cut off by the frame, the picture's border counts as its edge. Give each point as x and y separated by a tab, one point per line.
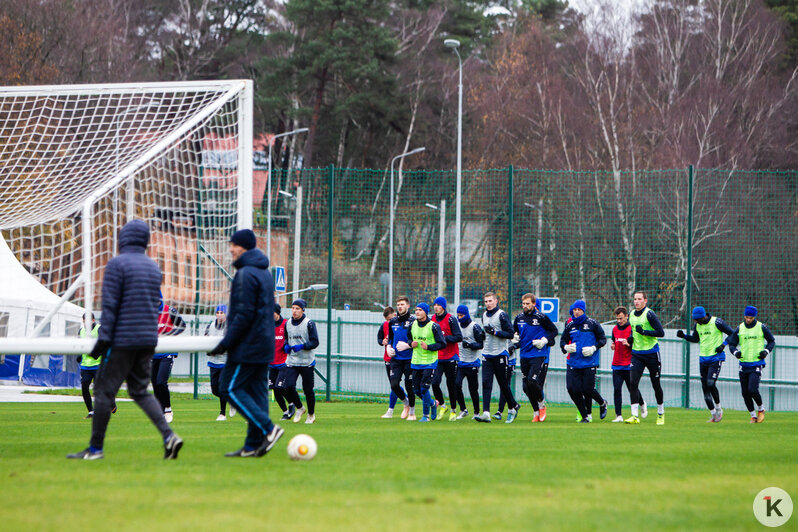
301	447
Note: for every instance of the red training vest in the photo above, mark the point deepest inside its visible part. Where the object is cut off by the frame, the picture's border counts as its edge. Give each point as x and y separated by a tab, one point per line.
622	356
165	323
451	349
385	331
279	343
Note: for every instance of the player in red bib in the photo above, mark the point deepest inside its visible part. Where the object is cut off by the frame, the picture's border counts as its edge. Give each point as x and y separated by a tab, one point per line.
622	362
279	363
447	359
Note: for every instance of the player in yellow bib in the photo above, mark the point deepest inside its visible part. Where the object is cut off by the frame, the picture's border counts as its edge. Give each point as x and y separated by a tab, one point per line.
426	339
646	328
708	333
751	342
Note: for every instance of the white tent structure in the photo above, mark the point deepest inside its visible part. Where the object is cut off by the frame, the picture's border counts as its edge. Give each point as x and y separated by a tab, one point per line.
24	303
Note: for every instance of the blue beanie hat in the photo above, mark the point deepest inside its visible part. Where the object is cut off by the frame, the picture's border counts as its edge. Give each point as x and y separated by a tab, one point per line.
462	309
223	308
244	238
424	307
300	303
440	300
699	313
750	311
580	304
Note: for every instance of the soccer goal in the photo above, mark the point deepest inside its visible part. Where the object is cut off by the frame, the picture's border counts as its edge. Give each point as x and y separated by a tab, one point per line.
78	162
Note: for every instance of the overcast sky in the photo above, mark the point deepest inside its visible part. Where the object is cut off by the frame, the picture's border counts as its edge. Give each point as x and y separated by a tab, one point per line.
623	10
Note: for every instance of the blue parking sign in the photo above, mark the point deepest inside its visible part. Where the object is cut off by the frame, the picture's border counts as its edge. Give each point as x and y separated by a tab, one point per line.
279	278
550	306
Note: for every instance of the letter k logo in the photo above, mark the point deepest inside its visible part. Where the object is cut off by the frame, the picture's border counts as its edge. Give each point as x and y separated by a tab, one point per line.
773	506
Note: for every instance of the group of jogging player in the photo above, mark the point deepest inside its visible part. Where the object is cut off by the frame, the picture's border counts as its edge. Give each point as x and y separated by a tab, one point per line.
423	347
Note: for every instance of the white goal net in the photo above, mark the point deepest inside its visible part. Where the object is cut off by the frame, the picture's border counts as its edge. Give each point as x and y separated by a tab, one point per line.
78	162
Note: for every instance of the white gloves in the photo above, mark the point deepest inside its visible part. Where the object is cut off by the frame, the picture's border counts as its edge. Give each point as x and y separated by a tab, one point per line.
516	338
588	351
402	346
391	351
540	343
570	348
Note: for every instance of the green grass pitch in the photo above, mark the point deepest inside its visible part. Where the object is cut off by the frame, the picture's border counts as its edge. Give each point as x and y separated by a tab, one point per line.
376	474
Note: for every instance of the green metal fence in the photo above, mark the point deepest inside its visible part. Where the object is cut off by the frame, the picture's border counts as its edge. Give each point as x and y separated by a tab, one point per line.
597	236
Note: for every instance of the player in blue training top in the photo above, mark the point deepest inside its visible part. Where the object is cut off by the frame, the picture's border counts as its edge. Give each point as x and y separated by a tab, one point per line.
708	333
583	338
536	334
751	342
646	328
398	332
387	352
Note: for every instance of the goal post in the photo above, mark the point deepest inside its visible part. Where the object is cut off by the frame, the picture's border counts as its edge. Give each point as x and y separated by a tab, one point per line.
77	162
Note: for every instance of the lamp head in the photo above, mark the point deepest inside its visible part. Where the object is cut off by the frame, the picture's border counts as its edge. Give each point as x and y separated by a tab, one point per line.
452	43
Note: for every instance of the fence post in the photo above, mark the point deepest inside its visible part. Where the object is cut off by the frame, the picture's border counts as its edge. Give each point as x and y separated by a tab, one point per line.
338	328
195	356
330	198
510	241
689	281
510	252
772	389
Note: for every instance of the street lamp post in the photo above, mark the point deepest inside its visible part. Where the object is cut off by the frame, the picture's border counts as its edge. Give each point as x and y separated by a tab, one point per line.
390	239
454	44
269	187
441	243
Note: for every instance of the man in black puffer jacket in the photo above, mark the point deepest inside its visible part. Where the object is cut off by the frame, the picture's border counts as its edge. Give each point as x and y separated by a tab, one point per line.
249	342
127	338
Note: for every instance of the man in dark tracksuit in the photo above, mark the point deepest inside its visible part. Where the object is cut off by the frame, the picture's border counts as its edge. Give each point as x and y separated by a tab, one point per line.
249	343
583	338
708	333
127	338
751	342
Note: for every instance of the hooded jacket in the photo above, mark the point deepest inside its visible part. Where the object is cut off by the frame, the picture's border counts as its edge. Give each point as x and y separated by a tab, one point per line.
250	322
131	292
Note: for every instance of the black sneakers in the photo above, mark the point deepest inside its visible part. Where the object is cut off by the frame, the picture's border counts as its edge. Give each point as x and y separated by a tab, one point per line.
172	446
269	441
87	454
603	410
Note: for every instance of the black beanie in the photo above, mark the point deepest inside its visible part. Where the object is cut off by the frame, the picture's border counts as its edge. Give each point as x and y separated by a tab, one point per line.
244	238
